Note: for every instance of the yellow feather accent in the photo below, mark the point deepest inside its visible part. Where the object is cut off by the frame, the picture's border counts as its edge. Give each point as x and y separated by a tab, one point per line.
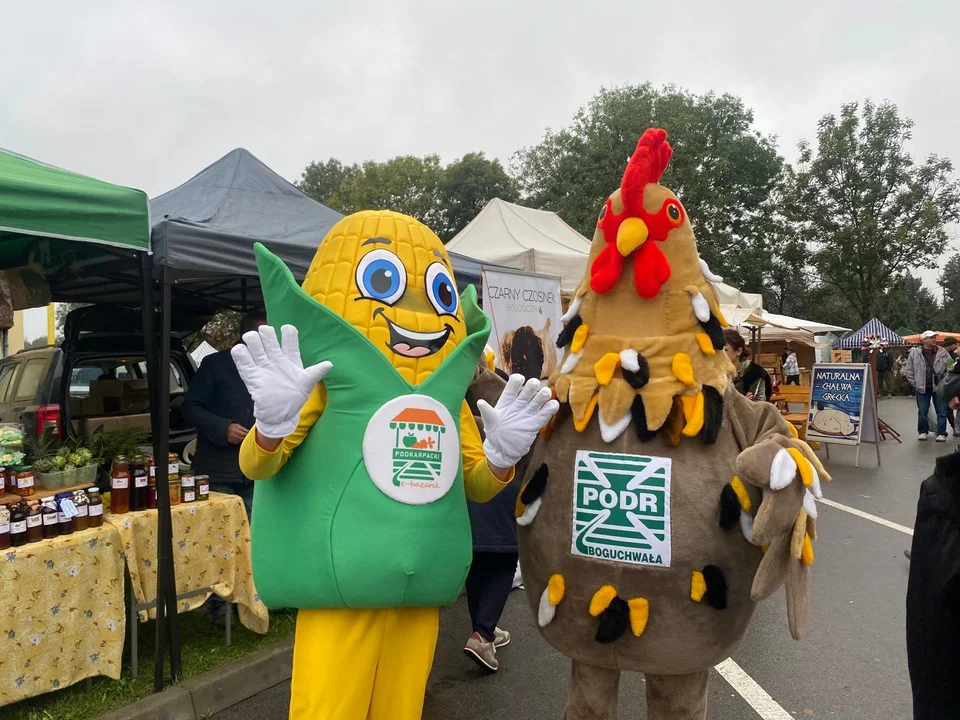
807	553
683	368
694	414
579	338
706	346
490	357
605	367
555	589
806	469
698	586
581	424
793	430
639	614
601	599
742	495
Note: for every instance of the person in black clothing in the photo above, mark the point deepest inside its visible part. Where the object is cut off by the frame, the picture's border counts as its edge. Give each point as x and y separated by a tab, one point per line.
495	545
218	405
933	590
884	366
751	379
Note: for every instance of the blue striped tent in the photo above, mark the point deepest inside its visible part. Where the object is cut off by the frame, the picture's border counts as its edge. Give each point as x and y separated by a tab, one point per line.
874	327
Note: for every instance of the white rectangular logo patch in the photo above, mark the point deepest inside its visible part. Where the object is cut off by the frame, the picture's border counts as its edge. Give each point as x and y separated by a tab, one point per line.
621	508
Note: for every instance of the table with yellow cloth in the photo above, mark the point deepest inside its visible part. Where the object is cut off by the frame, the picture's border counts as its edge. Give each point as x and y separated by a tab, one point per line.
61	613
211	549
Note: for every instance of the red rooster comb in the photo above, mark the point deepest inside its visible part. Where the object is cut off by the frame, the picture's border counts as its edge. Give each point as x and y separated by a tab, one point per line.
646	165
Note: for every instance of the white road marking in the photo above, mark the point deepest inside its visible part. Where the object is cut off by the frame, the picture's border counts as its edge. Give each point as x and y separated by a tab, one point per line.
867	516
757	698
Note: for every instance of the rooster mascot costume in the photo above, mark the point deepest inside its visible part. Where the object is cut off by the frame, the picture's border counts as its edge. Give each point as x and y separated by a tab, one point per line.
365	454
663	503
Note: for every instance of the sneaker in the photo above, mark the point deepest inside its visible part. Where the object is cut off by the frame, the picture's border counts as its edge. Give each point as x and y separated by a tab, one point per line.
941	438
501	638
922	436
483	653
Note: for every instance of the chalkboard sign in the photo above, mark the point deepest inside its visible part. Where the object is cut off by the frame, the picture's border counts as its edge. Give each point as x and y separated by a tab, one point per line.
843	407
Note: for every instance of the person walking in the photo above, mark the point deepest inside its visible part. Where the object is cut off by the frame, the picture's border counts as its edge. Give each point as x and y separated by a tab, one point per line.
495	545
218	405
926	367
791	368
950	345
933	587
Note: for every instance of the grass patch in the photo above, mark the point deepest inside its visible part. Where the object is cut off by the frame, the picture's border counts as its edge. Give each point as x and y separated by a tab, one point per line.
203	649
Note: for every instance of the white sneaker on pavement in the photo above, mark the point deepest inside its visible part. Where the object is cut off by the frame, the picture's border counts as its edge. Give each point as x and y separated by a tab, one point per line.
922	436
941	438
501	638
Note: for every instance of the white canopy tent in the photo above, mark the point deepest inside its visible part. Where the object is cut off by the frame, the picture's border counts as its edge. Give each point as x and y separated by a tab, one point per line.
525	239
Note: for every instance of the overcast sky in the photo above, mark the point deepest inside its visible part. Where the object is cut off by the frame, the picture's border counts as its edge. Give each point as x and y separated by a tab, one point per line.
148	93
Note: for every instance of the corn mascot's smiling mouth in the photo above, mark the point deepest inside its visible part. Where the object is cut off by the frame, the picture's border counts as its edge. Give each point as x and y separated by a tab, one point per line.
409	343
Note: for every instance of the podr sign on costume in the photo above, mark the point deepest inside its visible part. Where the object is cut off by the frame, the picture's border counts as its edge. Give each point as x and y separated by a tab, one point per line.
365	454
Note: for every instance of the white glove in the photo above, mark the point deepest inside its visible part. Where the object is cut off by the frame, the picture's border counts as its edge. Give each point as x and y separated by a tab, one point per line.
512	426
276	378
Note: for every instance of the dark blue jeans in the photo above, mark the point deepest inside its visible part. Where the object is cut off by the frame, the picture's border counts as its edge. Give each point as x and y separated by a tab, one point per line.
923	410
216	604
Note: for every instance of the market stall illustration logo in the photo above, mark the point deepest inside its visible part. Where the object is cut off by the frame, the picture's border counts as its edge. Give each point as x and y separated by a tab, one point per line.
622	508
417	455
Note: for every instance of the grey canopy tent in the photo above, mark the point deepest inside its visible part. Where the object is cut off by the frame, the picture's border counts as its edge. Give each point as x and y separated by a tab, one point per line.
873	328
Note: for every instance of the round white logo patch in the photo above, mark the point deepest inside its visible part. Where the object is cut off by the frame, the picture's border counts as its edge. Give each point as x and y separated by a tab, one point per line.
411	450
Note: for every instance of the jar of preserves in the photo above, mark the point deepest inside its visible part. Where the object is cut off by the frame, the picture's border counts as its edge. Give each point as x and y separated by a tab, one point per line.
151	485
3	482
18	524
4	527
188	487
81	520
139	478
203	487
119	486
24	475
51	524
34	523
173	476
65	513
94	508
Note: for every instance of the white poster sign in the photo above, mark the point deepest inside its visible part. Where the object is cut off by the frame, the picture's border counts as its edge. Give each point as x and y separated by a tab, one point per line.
525	310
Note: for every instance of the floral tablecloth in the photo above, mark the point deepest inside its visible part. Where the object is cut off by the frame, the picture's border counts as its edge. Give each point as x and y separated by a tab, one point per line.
61	613
211	549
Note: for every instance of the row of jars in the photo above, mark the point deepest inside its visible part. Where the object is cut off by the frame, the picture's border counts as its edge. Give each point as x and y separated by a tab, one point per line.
33	520
133	485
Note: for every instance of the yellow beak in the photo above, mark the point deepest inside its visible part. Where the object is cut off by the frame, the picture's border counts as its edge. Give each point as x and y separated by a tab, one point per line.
632	234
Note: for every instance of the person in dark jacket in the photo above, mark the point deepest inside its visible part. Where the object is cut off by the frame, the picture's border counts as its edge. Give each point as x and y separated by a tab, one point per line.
495	545
884	366
933	590
219	406
751	379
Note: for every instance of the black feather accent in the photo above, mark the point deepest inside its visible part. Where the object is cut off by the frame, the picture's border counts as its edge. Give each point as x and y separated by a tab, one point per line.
639	413
729	508
712	414
639	378
716	596
714	331
614	621
566	335
538	483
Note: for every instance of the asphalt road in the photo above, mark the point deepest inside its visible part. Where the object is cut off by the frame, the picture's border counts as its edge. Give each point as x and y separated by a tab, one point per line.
851	665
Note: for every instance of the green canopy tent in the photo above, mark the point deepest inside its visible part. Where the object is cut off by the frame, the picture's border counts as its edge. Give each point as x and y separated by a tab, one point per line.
80	231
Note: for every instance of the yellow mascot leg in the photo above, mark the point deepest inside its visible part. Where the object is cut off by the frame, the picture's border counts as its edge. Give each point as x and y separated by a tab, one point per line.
405	661
362	664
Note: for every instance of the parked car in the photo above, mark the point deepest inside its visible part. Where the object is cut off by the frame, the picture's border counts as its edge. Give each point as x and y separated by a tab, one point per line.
43	388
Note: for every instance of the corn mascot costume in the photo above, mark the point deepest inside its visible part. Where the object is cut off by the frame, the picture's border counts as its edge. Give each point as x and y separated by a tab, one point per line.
365	454
662	503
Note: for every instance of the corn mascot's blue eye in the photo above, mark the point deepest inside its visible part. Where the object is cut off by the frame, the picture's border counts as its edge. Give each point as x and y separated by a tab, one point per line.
381	277
441	290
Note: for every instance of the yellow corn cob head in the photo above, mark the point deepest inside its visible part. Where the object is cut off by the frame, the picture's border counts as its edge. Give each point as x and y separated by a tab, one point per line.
390	277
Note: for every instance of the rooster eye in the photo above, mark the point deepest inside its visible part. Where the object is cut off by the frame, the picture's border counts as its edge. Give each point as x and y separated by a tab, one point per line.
674	212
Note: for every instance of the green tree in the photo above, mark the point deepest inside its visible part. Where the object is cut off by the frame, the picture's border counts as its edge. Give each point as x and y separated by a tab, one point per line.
466	186
38	342
870	212
726	174
322	181
60	316
906	303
